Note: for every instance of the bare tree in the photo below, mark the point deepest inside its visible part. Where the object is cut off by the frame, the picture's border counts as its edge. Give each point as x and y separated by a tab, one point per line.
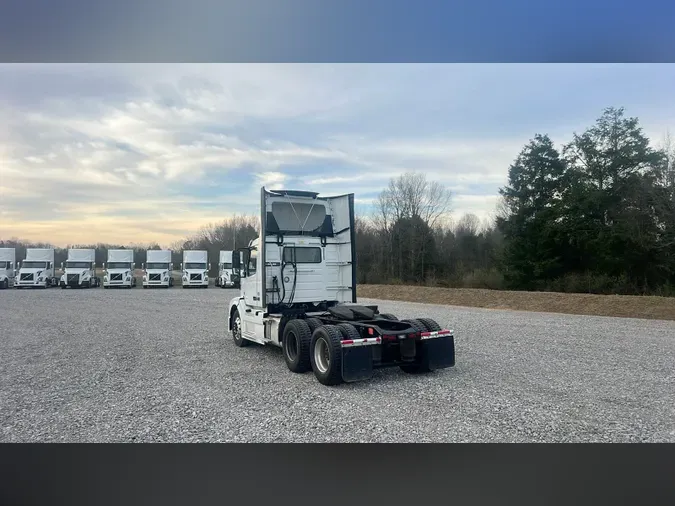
409	198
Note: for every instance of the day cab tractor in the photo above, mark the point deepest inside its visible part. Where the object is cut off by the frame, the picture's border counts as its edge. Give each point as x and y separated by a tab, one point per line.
298	292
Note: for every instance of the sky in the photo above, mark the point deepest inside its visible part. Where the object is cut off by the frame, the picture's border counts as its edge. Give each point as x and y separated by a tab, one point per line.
140	153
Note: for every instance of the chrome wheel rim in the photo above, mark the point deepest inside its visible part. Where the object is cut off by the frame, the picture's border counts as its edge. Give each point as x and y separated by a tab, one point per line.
321	355
236	330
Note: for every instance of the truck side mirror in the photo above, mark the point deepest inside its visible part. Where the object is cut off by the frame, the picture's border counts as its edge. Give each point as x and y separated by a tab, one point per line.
209	267
103	265
61	265
143	265
236	264
181	266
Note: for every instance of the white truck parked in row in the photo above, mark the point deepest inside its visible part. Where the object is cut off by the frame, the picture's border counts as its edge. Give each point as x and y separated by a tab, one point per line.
227	276
80	269
195	268
298	291
37	270
8	269
119	269
158	269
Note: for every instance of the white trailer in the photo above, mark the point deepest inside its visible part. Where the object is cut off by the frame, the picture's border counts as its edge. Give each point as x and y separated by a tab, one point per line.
298	292
227	276
37	270
158	269
8	268
80	269
119	269
195	268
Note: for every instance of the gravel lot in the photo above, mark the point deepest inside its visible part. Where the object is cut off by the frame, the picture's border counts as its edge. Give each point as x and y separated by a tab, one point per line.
156	365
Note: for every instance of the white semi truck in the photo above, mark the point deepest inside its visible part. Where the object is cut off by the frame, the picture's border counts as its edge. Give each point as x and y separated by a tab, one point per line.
8	269
227	276
80	269
119	269
158	269
298	292
195	268
37	270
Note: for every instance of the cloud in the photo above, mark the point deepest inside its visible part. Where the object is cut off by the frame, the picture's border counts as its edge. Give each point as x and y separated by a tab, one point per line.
137	153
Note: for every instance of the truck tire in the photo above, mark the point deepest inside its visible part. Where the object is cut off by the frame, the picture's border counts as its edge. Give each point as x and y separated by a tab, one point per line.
296	341
5	284
326	355
422	364
238	339
430	324
314	323
387	316
348	331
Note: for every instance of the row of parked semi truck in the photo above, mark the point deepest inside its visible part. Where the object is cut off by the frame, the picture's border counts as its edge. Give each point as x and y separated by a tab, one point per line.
38	269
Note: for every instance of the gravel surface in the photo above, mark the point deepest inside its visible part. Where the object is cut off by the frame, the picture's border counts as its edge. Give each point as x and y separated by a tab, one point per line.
157	365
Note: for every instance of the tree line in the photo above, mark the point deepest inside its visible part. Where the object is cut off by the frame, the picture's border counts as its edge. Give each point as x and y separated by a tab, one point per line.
597	216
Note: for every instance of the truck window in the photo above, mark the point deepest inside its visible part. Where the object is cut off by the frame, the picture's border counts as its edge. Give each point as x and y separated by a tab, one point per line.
302	255
293	217
34	264
118	265
78	265
252	262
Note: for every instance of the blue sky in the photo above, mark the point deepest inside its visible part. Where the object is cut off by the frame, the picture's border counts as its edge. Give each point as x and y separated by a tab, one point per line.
137	153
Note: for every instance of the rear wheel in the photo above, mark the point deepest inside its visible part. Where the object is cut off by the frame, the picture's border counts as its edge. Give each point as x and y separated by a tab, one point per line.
296	341
430	324
326	354
314	323
421	365
348	331
237	332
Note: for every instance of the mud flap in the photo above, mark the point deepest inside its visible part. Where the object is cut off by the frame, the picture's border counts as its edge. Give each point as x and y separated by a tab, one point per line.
441	352
357	363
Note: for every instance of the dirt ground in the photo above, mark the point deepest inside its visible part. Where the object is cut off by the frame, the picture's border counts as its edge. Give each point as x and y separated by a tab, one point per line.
662	308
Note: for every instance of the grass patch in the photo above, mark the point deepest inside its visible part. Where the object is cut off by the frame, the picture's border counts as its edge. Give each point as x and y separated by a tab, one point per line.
627	306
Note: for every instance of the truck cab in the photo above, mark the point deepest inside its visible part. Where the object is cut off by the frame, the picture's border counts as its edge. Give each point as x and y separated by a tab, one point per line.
37	270
119	269
195	269
298	292
8	268
228	277
158	269
79	270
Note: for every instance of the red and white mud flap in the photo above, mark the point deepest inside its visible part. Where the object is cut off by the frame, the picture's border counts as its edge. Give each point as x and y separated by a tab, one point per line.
439	347
357	358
